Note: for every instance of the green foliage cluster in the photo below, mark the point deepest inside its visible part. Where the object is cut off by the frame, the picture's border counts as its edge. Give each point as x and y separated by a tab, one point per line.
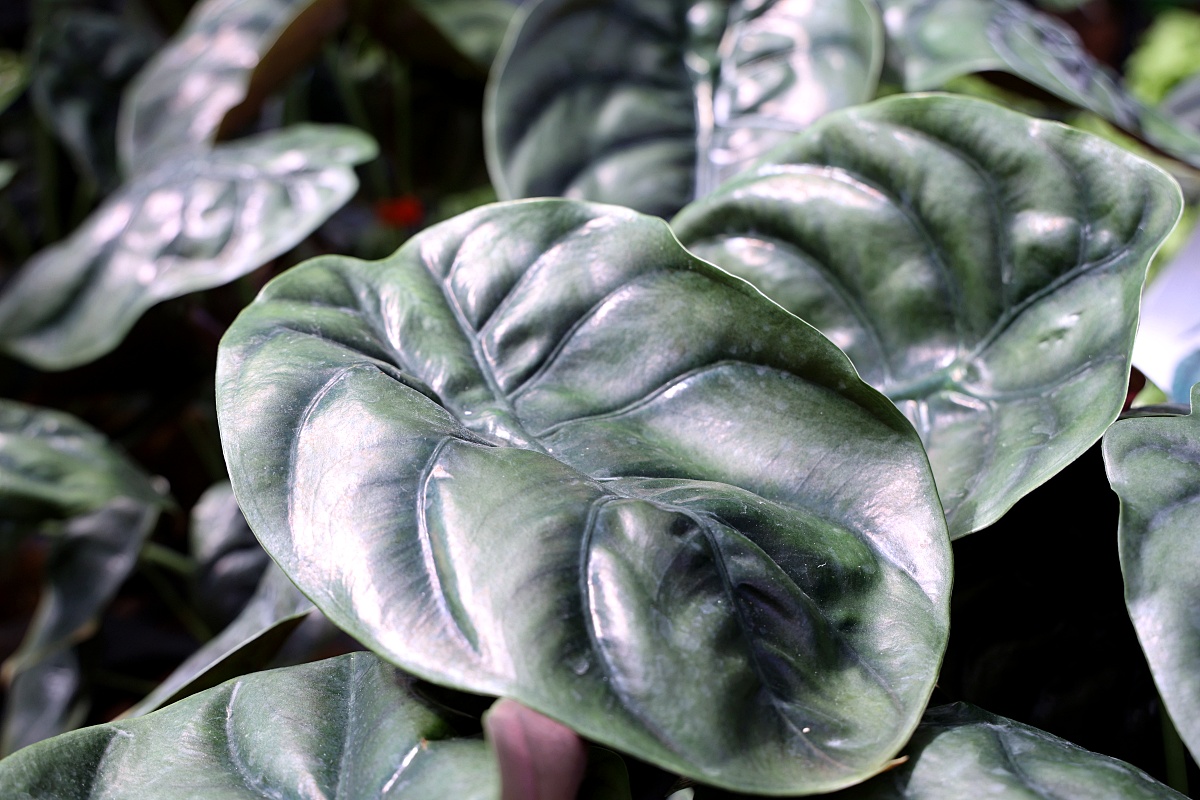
681	451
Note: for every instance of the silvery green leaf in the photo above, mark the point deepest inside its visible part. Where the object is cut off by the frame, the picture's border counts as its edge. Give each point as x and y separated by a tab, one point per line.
192	223
981	268
669	96
176	104
1154	466
961	751
543	452
932	41
349	727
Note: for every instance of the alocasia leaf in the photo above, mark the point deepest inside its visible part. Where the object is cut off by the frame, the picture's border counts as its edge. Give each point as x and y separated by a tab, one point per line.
191	224
1183	103
476	27
348	727
176	104
53	467
1154	466
229	559
932	41
82	61
544	452
668	96
981	268
962	751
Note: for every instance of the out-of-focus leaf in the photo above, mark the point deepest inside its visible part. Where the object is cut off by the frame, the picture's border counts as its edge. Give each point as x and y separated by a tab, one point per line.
545	453
537	756
981	268
668	97
1154	467
932	41
193	223
476	27
961	751
177	103
247	644
53	467
1167	347
1165	55
13	76
8	169
229	560
81	64
1183	104
348	727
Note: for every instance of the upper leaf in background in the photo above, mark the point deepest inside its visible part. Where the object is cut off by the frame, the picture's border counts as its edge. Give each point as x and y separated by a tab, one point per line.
178	102
961	751
647	104
193	223
1183	104
82	61
543	452
1154	466
932	41
348	727
229	559
53	467
981	268
476	27
13	76
1167	348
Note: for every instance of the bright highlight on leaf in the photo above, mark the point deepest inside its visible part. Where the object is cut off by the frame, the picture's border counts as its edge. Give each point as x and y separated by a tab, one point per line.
543	452
981	268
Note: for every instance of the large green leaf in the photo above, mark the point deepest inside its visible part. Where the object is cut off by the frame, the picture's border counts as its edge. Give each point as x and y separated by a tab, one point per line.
981	268
961	751
176	104
932	41
53	467
1154	466
348	727
667	97
191	224
544	452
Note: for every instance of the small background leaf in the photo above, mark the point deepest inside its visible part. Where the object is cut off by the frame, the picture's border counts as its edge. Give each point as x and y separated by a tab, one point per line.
476	27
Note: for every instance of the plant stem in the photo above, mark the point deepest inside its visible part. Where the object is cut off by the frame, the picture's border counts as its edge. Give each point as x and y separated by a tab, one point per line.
157	554
47	170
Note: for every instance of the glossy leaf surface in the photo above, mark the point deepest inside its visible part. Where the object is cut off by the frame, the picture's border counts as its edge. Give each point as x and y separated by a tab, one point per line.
1154	466
190	224
669	96
932	41
962	751
981	268
347	727
543	452
177	103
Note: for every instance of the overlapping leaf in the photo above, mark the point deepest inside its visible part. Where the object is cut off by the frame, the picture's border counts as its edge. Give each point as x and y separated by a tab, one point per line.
544	452
932	41
669	96
962	751
190	224
229	559
981	268
347	727
1154	466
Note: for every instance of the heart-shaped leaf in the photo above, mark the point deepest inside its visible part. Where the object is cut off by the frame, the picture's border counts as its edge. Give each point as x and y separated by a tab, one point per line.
544	452
932	41
668	96
191	224
981	268
53	467
962	751
1154	466
176	104
347	727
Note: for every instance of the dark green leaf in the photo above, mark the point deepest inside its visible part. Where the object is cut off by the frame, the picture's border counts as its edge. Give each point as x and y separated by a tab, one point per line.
1154	466
229	560
932	41
7	170
13	76
476	27
348	727
668	96
81	63
43	701
543	452
191	224
961	751
176	104
981	268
